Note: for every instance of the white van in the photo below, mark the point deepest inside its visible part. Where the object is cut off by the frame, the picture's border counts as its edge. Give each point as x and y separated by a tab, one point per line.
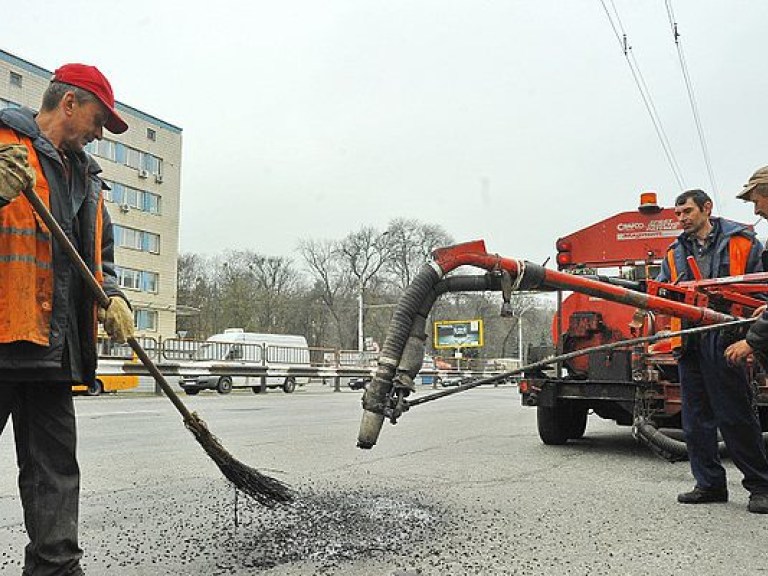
248	348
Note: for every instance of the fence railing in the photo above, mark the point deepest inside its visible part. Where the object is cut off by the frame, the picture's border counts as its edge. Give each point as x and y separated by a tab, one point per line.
176	356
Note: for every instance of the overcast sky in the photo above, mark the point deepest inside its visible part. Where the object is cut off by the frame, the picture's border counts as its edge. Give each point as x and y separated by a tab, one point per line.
513	121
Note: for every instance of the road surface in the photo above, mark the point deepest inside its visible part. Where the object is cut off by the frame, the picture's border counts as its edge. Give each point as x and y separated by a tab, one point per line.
460	486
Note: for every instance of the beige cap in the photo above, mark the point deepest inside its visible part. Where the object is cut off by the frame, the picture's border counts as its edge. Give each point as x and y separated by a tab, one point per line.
759	177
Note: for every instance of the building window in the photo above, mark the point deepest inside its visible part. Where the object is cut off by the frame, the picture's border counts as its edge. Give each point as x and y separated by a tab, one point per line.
128	278
145	319
141	280
135	198
149	281
16	79
151	134
122	154
137	239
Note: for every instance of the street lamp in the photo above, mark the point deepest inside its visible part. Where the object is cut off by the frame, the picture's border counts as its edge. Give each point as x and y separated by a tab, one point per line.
380	243
523	310
360	342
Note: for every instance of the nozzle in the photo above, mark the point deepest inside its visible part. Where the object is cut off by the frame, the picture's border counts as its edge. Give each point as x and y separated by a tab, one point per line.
370	428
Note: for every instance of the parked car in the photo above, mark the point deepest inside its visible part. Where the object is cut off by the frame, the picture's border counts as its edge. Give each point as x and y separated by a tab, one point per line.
359	383
456	381
242	348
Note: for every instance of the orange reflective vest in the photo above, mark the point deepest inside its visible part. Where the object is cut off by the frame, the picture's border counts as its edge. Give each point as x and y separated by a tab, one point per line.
739	248
26	260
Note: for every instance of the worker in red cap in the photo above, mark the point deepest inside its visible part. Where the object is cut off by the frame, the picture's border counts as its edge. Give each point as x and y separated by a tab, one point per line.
47	317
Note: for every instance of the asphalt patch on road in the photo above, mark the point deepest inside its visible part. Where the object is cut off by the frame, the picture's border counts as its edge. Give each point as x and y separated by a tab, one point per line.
329	528
204	529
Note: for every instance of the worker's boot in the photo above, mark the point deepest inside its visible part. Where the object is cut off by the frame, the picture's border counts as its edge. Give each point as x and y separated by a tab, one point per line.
706	495
758	504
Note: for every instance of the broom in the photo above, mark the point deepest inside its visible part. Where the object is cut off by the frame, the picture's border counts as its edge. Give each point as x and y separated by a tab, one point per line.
266	490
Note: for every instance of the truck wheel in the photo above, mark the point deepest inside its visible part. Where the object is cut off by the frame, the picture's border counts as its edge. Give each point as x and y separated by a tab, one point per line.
191	392
95	389
289	385
225	385
576	423
552	426
256	389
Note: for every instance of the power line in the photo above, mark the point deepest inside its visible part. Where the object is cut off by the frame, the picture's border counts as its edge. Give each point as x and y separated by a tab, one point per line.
691	97
642	86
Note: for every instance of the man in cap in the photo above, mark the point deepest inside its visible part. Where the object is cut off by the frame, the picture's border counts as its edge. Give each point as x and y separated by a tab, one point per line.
755	191
47	316
715	395
756	341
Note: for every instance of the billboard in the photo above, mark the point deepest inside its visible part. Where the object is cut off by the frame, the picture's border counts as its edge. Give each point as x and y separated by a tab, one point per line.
458	333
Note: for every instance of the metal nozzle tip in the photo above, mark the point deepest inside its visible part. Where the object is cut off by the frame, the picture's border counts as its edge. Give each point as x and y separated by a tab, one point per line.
370	427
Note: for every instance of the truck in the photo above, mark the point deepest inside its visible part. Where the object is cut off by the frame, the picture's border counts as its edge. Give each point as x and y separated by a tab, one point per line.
639	386
236	347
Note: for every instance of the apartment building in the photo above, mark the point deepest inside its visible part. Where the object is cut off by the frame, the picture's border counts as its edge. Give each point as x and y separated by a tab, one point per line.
143	169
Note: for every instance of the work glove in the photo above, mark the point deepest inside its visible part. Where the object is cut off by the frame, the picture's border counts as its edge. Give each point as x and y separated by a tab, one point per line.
117	319
15	173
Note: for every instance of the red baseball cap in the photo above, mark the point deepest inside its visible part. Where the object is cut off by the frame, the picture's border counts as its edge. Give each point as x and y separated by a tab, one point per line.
91	79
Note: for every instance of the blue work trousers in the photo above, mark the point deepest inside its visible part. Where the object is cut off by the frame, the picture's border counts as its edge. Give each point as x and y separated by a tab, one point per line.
43	417
716	396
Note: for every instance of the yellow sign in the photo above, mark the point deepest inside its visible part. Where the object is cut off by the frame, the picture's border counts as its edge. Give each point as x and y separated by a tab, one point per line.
458	333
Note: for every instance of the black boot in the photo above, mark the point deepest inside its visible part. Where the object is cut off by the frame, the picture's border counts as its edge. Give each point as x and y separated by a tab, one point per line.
758	504
705	496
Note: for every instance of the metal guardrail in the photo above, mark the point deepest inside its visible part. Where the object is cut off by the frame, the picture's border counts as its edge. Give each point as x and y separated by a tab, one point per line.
182	357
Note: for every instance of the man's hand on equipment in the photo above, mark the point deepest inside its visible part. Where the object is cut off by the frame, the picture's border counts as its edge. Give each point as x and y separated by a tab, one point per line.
15	173
758	311
117	319
738	352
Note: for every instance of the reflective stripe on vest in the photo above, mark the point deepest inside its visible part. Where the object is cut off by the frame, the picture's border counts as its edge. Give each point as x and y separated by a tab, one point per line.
26	275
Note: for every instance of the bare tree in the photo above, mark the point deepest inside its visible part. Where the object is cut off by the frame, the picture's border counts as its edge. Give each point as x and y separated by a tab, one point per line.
194	293
332	282
364	253
409	244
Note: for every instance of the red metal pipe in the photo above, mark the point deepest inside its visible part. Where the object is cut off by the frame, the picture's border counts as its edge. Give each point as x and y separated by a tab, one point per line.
474	254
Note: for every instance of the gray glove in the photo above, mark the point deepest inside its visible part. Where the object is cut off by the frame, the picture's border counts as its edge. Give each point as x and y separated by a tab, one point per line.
15	173
117	319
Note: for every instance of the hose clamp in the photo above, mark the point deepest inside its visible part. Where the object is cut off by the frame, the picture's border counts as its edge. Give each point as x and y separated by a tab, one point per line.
520	273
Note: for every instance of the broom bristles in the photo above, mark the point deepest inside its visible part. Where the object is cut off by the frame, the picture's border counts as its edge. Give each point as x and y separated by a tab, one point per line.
266	490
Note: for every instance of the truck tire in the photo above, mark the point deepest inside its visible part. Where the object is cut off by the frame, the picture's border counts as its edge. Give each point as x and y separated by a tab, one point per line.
224	385
553	429
192	391
576	422
289	385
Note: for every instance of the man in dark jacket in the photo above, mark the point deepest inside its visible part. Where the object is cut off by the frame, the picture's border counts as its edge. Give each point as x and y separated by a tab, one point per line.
755	191
716	394
47	317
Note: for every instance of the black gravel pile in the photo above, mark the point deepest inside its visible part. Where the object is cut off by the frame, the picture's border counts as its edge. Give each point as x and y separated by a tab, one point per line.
205	529
328	528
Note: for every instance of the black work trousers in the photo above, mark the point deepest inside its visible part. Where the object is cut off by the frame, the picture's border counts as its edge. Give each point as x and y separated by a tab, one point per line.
43	417
718	396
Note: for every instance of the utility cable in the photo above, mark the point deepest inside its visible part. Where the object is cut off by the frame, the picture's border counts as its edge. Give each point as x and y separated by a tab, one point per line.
691	98
645	94
563	357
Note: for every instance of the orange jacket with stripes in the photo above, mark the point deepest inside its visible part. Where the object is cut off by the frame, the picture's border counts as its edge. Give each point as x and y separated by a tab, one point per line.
36	314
